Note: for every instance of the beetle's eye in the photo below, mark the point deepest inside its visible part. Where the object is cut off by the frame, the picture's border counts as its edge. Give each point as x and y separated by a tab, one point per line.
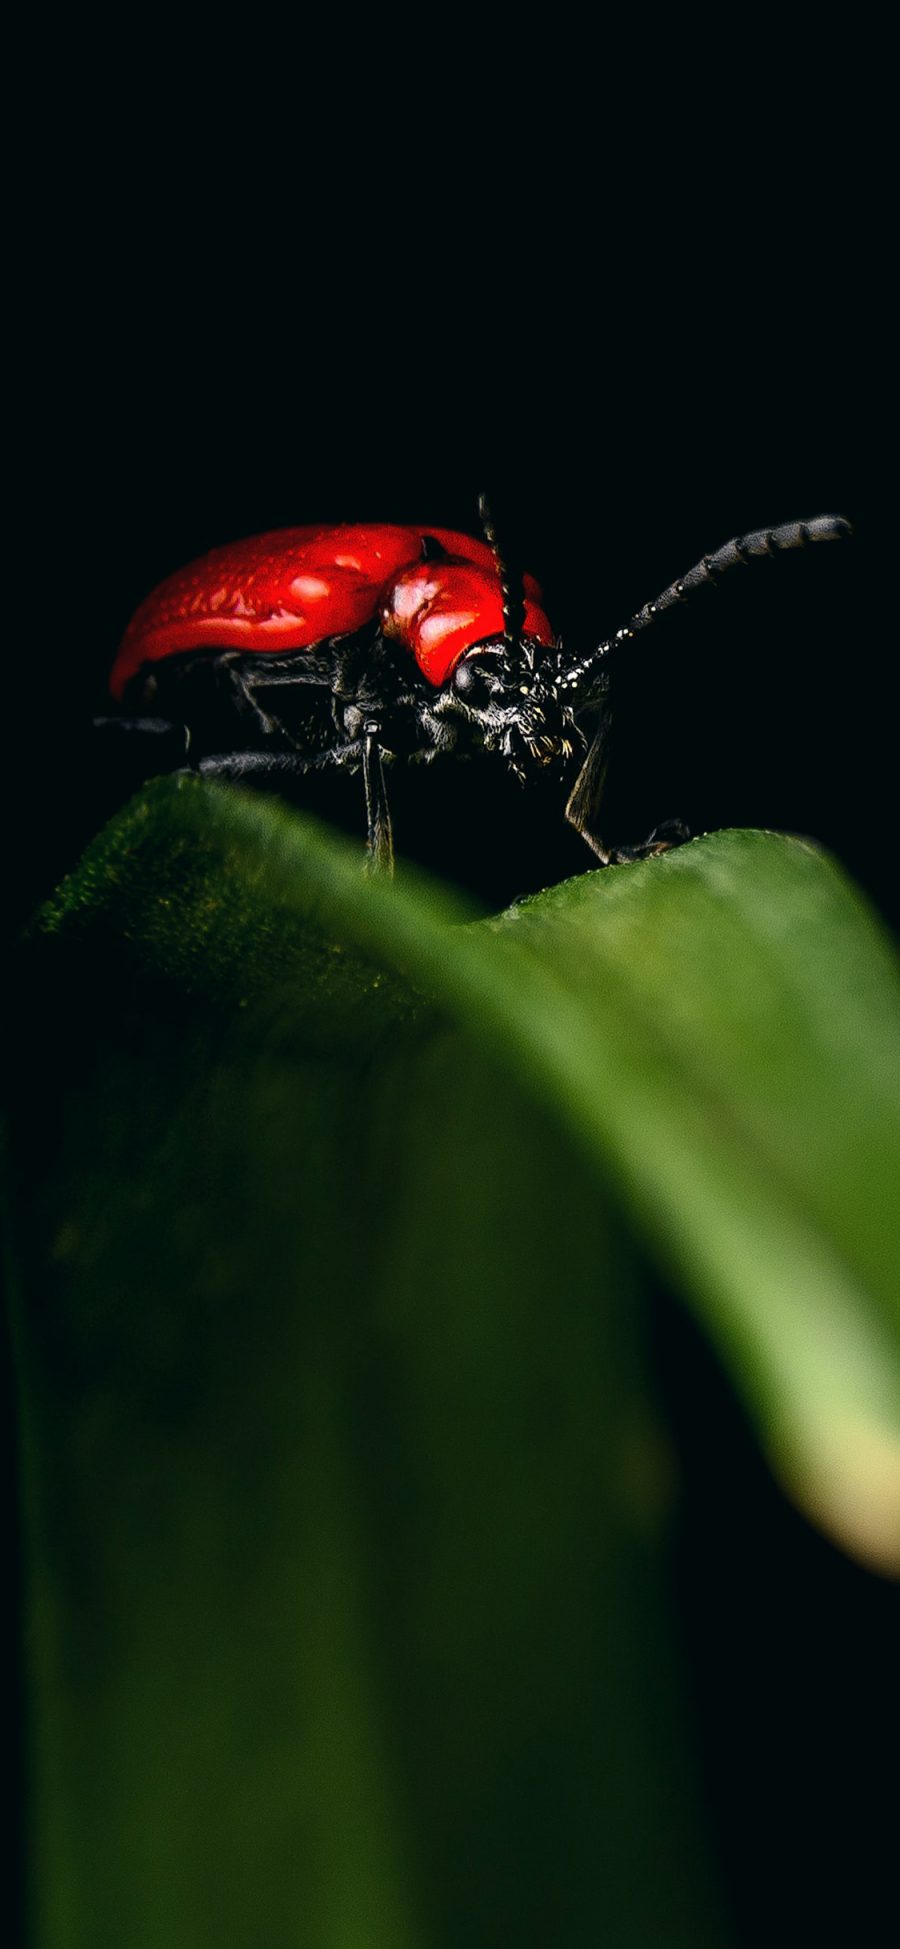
474	682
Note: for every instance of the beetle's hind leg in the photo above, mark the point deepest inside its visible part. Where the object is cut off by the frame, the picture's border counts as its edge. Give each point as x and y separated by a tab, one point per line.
583	807
150	729
132	750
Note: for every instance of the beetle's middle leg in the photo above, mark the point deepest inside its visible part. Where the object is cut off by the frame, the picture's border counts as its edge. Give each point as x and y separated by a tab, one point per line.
247	704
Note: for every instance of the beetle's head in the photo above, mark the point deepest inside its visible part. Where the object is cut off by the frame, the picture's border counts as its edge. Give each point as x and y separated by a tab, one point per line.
507	688
506	691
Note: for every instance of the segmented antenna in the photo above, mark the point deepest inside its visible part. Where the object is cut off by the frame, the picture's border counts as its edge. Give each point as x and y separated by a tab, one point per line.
579	678
513	597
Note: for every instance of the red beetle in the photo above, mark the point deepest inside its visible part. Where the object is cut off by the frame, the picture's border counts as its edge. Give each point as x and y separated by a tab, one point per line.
387	644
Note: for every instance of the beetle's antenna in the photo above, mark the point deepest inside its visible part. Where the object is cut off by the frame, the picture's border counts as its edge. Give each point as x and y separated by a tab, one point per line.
587	680
513	599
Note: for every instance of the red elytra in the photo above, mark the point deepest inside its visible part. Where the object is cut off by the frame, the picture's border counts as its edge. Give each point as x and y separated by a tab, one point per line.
296	587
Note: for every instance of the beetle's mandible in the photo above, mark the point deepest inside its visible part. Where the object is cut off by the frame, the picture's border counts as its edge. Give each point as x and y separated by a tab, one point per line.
370	645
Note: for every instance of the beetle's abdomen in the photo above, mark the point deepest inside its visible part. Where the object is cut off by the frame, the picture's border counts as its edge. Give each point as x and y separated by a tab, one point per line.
294	588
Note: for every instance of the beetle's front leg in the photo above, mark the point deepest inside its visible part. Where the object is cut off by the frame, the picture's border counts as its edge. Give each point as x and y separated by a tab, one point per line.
583	807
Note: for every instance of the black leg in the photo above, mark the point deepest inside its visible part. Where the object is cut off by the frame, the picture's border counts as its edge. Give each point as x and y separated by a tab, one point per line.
275	764
587	791
129	751
380	844
144	731
275	767
248	706
584	804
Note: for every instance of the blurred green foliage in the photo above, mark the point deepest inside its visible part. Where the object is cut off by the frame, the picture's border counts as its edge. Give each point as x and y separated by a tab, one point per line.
345	1498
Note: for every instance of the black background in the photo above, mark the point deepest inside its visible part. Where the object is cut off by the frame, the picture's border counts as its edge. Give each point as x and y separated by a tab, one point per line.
370	305
183	389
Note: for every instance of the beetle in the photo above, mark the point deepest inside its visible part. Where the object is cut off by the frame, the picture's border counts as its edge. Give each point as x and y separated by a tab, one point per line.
367	645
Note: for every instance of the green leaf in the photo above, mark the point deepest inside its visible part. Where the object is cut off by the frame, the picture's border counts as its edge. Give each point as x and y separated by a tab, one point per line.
346	1606
346	1600
720	1026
